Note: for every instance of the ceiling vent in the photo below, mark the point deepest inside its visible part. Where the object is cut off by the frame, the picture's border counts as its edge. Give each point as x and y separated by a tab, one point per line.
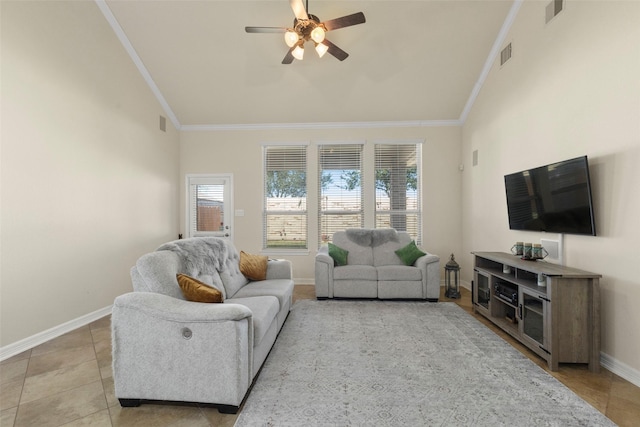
553	9
505	55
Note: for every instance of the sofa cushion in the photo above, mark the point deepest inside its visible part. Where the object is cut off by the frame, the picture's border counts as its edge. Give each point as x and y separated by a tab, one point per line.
358	243
355	289
231	276
410	253
279	288
264	310
385	243
399	273
339	255
355	272
196	291
254	267
156	272
400	289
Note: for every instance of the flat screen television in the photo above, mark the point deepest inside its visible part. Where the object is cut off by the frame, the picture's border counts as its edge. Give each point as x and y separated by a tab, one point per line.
554	198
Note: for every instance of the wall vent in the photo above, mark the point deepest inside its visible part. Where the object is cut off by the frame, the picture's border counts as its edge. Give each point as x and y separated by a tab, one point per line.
505	55
163	123
474	160
553	9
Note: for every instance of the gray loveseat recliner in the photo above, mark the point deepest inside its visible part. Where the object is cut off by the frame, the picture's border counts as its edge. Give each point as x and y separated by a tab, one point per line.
169	349
374	270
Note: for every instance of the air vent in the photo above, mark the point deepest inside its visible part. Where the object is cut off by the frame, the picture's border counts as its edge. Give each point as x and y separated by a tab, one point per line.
505	55
163	124
553	9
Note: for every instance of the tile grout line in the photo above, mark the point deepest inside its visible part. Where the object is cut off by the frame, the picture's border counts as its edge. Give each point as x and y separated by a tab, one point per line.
104	393
24	380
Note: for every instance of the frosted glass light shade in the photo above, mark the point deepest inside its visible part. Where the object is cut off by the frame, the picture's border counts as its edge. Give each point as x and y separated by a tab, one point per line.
321	49
291	38
298	52
317	35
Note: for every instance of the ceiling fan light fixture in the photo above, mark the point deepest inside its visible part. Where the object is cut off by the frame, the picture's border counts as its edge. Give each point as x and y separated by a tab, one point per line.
321	49
291	38
298	52
317	34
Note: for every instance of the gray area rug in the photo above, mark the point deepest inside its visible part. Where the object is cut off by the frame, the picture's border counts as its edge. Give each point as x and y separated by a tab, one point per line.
385	363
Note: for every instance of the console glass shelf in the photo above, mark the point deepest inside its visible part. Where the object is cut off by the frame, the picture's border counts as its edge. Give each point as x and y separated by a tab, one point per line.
552	309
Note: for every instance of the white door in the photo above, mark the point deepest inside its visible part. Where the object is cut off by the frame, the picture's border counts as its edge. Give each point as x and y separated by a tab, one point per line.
210	206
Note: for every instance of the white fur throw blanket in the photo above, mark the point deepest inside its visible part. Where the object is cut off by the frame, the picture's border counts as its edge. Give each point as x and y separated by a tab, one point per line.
201	255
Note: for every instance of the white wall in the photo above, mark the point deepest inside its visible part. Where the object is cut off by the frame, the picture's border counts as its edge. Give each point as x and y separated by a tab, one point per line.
240	153
89	182
572	88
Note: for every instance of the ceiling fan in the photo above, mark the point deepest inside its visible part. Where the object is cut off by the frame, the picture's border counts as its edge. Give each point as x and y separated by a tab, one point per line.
307	27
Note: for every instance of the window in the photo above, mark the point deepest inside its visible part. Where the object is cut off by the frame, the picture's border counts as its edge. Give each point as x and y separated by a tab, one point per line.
285	197
209	205
340	189
397	187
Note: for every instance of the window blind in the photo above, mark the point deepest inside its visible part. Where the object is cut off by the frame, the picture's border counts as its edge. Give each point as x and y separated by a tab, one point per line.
207	209
285	197
340	189
397	186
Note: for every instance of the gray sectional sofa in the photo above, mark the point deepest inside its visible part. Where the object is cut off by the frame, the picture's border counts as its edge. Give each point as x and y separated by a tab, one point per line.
374	270
166	348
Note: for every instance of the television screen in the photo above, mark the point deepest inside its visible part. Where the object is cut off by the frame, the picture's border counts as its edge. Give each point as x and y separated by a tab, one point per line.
554	198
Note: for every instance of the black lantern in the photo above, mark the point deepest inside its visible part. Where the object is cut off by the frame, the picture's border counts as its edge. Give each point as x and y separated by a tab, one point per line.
452	284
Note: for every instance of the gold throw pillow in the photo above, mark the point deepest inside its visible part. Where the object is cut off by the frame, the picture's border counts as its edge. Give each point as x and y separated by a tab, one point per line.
254	267
196	291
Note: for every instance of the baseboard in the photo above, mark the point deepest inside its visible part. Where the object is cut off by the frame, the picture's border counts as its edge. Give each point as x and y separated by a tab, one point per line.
44	336
303	281
620	369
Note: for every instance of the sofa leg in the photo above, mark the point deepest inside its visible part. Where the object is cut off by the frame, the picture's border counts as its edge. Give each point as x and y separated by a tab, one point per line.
130	403
228	409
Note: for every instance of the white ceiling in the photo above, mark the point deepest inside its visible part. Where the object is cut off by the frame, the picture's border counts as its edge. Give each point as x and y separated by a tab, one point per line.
411	61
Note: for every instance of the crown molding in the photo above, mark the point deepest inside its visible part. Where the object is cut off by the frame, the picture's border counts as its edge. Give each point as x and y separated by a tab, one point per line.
320	125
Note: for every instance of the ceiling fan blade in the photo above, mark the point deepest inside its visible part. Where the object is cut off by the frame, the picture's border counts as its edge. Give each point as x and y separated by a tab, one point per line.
265	29
345	21
298	9
335	50
288	58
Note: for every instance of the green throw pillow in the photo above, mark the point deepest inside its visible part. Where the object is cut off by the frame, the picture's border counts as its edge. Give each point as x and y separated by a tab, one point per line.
338	254
410	253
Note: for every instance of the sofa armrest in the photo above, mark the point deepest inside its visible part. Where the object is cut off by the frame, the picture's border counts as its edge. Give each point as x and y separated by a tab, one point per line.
164	307
279	269
170	349
324	265
426	259
430	265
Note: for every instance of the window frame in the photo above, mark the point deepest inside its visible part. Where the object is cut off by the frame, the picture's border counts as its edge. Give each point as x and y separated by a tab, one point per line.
417	212
324	232
228	217
266	212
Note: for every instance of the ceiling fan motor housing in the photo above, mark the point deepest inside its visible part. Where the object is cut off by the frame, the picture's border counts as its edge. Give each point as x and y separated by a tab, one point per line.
304	27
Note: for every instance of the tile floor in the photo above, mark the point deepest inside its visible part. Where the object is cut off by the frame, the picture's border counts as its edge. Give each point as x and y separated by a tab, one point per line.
68	382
